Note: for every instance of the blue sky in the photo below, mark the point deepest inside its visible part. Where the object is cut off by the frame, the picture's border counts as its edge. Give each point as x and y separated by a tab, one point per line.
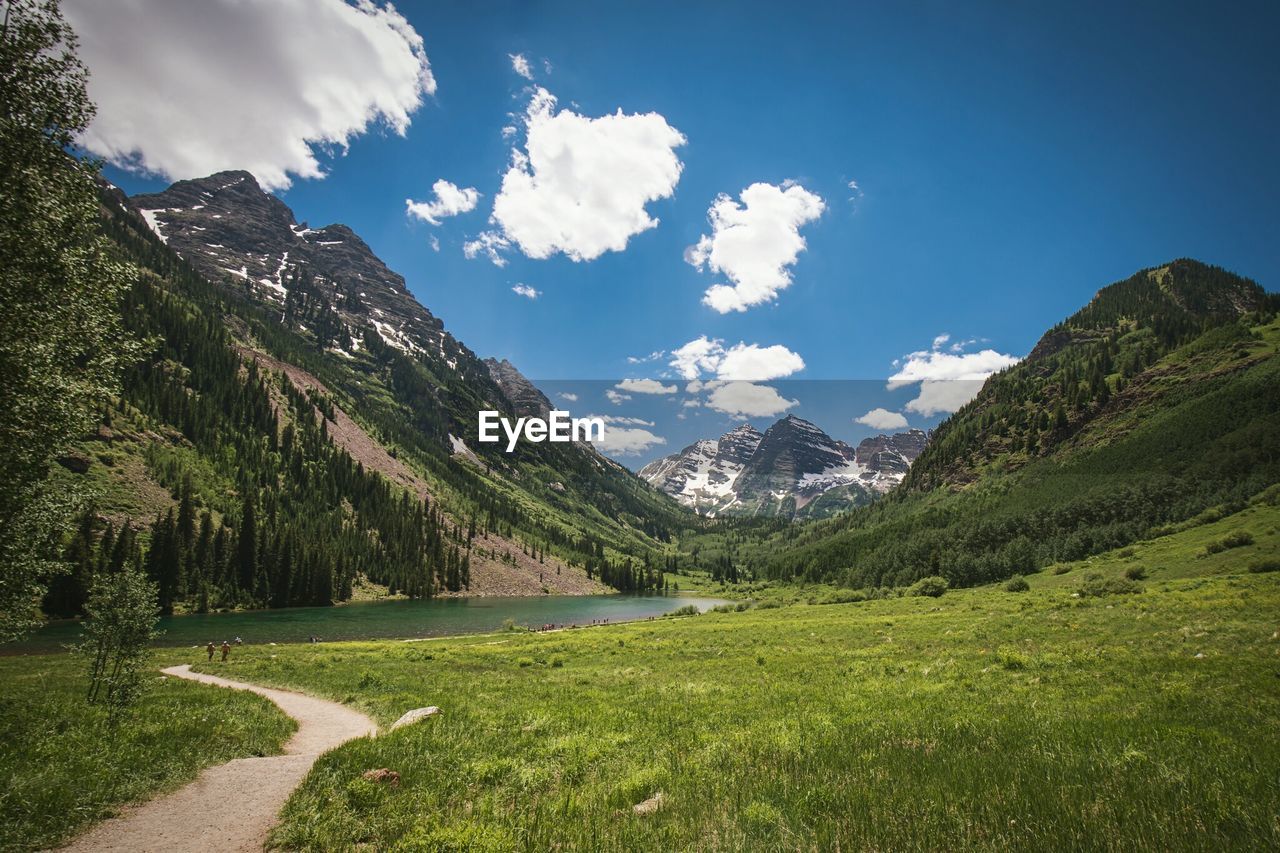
1010	160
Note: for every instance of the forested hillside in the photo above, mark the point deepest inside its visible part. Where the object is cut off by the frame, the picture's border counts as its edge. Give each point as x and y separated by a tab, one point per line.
247	464
1157	403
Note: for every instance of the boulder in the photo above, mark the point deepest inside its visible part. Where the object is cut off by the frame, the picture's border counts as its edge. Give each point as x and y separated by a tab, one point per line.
383	775
415	715
650	805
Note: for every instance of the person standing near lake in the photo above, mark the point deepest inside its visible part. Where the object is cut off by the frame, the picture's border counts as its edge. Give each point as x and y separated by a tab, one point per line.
210	650
226	650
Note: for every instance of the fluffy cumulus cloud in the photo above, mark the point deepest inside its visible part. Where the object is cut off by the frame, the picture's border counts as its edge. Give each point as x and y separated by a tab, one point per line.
645	386
754	242
746	399
450	200
580	185
568	395
750	362
233	85
520	65
882	419
948	377
625	436
616	397
526	291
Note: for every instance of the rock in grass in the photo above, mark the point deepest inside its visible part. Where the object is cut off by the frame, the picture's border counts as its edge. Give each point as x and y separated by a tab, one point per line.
383	775
650	805
415	715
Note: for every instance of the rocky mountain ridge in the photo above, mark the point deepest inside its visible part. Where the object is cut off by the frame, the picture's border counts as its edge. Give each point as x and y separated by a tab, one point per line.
793	469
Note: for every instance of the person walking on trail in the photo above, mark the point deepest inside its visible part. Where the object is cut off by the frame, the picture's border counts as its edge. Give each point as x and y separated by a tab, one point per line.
210	650
226	650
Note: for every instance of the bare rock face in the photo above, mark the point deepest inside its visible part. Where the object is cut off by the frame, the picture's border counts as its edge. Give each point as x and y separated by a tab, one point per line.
231	230
793	469
526	399
411	717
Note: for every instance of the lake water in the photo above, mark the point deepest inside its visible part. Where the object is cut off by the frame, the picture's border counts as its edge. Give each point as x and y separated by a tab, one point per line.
436	617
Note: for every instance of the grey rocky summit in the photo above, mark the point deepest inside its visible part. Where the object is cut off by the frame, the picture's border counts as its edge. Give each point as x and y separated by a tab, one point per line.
793	469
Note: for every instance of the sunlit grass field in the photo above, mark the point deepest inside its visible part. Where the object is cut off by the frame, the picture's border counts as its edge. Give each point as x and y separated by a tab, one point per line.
65	764
981	719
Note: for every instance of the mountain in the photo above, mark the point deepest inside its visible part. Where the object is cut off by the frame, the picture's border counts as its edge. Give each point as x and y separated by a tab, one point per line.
525	397
301	431
792	470
231	230
1151	410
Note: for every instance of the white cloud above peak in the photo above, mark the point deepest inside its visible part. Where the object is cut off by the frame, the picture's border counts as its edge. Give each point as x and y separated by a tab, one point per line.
526	291
747	400
520	65
231	85
948	377
882	419
754	242
742	361
645	386
580	185
449	200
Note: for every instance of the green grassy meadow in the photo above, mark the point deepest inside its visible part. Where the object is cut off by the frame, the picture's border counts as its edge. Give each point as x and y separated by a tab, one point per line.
64	764
981	719
984	719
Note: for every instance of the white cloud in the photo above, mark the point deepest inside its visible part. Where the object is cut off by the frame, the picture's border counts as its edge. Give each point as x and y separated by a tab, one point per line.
616	397
948	378
882	419
490	245
581	184
748	400
939	396
435	243
754	243
750	362
526	291
645	386
692	404
188	89
450	200
568	395
627	441
623	420
641	359
520	65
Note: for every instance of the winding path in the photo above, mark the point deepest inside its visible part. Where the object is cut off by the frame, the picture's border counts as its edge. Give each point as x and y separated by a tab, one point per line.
234	805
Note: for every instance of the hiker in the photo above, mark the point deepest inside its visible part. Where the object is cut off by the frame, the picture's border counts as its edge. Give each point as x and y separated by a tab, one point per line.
226	650
210	650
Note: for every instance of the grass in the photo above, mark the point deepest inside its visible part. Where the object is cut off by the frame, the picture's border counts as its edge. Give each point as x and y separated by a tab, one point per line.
1195	550
978	719
63	764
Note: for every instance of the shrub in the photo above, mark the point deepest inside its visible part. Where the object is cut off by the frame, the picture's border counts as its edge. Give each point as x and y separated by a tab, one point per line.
1239	539
1260	566
771	604
1135	573
1062	569
1017	583
687	610
932	586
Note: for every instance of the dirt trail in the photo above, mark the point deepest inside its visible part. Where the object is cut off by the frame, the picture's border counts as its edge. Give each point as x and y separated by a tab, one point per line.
234	805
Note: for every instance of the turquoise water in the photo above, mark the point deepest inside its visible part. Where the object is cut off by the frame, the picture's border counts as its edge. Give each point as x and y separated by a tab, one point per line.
386	619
